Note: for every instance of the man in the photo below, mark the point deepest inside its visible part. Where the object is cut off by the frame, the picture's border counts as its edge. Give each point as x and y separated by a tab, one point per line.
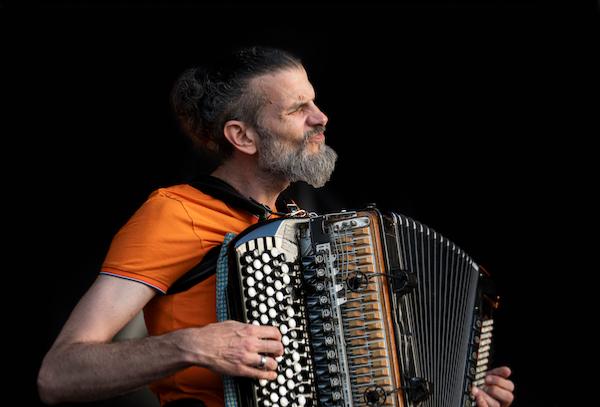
255	111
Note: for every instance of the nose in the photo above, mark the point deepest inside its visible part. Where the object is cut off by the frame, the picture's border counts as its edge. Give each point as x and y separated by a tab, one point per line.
317	117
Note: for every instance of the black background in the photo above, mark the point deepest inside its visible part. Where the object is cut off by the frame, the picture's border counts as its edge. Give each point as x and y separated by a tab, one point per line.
465	117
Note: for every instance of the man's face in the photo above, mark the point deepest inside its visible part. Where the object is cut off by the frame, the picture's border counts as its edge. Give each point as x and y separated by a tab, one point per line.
291	129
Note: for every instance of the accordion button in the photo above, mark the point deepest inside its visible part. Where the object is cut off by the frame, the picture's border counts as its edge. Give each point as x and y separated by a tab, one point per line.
301	400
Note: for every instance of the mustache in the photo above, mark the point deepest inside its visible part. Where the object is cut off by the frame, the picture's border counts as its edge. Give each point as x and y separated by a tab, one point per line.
316	130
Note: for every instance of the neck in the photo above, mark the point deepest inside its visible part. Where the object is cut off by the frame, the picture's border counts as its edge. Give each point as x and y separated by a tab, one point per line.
252	182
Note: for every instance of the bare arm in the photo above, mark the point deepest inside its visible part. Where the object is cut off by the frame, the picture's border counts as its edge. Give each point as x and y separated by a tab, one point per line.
83	364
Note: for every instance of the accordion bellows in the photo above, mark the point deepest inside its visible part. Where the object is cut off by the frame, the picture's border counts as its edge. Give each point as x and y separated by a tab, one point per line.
375	309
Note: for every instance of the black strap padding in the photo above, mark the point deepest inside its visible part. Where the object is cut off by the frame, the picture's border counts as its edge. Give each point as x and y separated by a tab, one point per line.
197	274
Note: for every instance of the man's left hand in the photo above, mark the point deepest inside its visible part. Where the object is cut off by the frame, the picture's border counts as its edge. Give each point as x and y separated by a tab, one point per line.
498	389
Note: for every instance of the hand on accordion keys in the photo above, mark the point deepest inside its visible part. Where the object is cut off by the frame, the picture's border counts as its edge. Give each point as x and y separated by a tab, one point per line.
235	349
498	389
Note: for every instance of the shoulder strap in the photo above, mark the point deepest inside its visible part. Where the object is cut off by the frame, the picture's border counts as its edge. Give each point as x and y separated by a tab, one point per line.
221	190
197	274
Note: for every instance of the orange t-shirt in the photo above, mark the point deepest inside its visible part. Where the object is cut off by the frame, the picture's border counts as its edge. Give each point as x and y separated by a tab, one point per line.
165	238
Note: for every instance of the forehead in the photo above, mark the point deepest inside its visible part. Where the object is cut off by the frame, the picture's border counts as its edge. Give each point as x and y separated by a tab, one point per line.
285	87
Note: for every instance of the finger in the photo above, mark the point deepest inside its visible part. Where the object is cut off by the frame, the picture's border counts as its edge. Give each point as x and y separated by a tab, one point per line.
270	363
502	396
253	360
493	380
479	397
250	359
272	347
503	371
264	332
483	399
255	373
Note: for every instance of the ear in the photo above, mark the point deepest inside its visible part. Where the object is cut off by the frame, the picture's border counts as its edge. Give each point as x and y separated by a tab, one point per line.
241	136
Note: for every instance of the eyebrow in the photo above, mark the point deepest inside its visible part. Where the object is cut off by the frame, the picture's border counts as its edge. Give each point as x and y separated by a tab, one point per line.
297	105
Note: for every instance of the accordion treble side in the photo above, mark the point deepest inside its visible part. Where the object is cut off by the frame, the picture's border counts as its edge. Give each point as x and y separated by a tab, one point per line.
375	309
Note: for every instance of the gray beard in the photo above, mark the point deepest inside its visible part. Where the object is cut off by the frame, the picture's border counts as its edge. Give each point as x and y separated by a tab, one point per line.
295	164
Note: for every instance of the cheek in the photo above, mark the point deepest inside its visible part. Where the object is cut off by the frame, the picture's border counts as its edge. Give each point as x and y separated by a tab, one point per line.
295	127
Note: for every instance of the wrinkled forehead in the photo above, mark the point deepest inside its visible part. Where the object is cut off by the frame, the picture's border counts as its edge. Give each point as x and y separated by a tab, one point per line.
285	87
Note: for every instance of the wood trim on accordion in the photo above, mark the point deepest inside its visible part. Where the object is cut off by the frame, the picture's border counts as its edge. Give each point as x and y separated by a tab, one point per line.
376	235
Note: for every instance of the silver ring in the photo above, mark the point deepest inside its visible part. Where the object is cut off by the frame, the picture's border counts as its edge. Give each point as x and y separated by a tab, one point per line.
263	361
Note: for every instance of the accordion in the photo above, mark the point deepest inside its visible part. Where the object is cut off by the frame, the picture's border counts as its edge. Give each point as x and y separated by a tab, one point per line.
374	308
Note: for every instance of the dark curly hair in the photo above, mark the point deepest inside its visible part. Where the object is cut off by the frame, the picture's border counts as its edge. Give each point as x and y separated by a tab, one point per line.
204	98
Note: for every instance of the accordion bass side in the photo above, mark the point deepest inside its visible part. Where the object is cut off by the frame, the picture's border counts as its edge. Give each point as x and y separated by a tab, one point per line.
375	309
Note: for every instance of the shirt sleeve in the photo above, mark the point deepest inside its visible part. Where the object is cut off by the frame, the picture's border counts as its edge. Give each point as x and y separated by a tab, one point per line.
156	246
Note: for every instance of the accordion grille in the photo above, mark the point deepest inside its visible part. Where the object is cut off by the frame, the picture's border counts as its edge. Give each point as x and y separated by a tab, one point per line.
436	319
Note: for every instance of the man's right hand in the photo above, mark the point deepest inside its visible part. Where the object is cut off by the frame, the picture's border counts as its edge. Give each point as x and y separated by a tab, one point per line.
234	348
